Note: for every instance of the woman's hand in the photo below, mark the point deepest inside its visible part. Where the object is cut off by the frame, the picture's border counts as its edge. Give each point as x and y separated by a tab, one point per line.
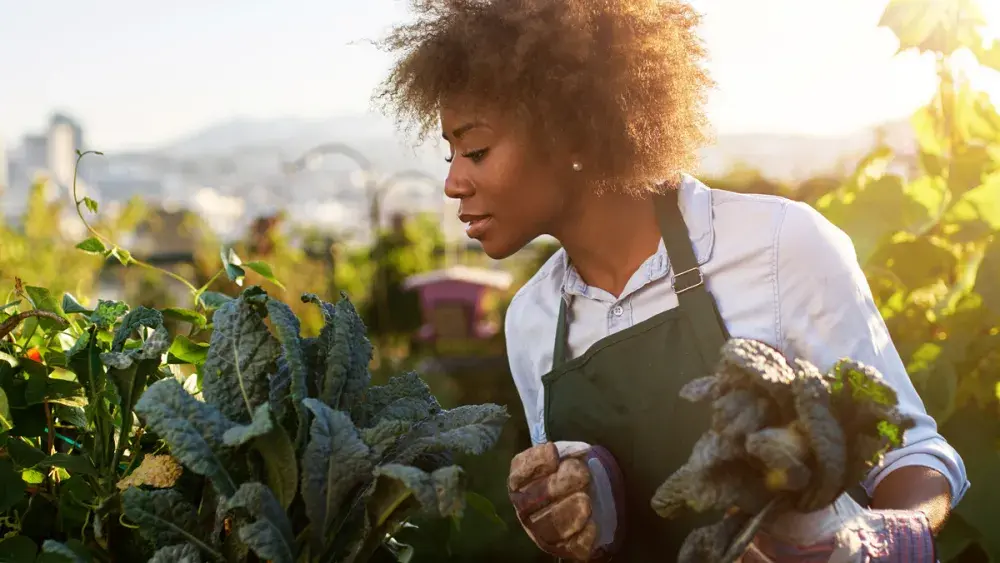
844	533
553	489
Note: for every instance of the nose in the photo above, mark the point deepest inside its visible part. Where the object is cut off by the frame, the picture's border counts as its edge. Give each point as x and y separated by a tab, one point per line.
457	186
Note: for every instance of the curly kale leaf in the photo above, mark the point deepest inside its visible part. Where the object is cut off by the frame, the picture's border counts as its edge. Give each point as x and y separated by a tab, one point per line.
470	429
138	317
260	425
384	435
346	353
441	493
782	433
404	398
279	388
287	326
180	553
275	447
825	434
242	356
104	316
268	532
165	518
867	404
194	430
334	462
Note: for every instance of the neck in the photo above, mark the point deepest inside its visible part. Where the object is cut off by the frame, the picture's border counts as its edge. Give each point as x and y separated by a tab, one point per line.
608	237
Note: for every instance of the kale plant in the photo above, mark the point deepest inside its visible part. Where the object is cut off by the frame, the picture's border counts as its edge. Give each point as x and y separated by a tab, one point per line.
782	435
300	458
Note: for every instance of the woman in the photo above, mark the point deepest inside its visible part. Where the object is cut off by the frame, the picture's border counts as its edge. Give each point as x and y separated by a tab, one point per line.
577	119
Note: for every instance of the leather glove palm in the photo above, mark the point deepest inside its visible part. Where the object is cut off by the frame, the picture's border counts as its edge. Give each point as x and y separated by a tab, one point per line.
566	496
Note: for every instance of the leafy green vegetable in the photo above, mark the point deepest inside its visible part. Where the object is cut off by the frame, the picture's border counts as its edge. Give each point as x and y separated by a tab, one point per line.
136	318
287	327
782	434
181	553
107	313
349	471
242	354
440	493
164	517
334	462
345	352
193	429
270	534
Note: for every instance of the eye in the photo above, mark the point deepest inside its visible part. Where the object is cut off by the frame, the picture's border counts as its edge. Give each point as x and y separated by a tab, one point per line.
476	156
449	158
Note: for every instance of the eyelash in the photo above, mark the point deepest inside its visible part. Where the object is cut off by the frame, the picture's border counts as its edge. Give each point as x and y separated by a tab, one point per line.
474	156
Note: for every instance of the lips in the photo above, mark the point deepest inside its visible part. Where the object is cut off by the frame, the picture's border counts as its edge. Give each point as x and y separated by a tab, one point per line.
475	225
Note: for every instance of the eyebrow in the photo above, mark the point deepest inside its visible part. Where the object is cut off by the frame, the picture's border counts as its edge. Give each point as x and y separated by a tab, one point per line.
463	129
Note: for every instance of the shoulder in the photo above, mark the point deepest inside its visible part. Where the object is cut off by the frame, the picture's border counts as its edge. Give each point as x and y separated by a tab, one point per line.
810	243
800	236
739	222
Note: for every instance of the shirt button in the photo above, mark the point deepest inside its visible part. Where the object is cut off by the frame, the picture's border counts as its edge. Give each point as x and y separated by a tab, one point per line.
618	310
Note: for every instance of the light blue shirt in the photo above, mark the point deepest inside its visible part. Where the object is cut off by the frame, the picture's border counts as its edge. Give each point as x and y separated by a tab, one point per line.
780	273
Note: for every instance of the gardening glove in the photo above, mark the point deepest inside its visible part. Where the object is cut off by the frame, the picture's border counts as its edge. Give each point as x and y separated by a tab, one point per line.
844	533
569	498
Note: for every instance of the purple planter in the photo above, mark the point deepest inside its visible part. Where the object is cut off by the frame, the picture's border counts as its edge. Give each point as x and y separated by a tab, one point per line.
451	302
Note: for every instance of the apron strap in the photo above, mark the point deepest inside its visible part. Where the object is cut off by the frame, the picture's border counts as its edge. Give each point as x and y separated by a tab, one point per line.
689	285
692	295
559	353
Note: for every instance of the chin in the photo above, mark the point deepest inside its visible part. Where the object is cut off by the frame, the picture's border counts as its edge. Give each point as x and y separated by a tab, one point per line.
498	248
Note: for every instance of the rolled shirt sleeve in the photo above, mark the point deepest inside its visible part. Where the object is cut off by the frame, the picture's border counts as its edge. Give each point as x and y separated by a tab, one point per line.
826	312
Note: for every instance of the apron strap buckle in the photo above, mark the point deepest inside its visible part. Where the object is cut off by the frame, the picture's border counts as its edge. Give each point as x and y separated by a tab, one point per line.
701	280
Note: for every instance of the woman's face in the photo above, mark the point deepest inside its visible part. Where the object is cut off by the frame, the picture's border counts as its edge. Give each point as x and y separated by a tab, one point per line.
507	195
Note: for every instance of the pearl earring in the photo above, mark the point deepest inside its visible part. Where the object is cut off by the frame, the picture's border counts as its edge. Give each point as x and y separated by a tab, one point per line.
577	166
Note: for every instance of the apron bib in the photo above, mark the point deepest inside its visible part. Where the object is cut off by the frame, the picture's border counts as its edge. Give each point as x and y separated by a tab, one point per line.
622	394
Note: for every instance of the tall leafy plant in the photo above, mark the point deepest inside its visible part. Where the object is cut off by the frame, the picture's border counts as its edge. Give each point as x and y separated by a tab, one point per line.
934	261
69	379
305	460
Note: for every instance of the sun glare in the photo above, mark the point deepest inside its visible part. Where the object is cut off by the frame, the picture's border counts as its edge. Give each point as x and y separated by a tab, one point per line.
988	80
991	11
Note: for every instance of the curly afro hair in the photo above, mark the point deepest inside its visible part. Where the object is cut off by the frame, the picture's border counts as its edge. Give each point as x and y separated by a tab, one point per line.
618	82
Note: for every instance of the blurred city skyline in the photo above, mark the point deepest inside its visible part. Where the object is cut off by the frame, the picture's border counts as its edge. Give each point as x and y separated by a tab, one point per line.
142	76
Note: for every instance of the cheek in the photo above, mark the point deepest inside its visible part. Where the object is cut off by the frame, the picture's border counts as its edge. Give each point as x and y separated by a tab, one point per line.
512	184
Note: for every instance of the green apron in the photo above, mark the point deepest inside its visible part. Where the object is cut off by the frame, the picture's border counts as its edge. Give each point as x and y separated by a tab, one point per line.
623	394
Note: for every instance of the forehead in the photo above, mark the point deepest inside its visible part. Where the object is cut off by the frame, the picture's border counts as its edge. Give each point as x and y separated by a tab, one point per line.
462	114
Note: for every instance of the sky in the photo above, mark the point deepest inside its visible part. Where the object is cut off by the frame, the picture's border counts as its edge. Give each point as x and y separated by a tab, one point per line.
141	74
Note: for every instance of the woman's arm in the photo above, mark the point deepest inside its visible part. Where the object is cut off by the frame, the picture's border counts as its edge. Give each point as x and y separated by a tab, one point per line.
916	488
826	312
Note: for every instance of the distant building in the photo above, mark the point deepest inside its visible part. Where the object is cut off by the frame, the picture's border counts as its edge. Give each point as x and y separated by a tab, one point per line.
65	138
59	120
35	151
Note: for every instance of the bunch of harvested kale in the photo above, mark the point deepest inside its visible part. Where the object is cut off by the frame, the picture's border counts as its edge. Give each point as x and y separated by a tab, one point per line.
781	434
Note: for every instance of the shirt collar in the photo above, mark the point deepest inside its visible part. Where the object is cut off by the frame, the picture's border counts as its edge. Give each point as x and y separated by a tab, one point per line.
695	200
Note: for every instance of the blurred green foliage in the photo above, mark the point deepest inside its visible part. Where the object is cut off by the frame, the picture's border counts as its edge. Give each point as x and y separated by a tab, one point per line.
933	263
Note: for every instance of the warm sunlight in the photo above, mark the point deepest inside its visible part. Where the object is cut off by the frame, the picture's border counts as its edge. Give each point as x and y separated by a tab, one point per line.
245	317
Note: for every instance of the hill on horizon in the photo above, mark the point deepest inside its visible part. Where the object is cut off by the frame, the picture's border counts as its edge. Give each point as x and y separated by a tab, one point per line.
776	156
